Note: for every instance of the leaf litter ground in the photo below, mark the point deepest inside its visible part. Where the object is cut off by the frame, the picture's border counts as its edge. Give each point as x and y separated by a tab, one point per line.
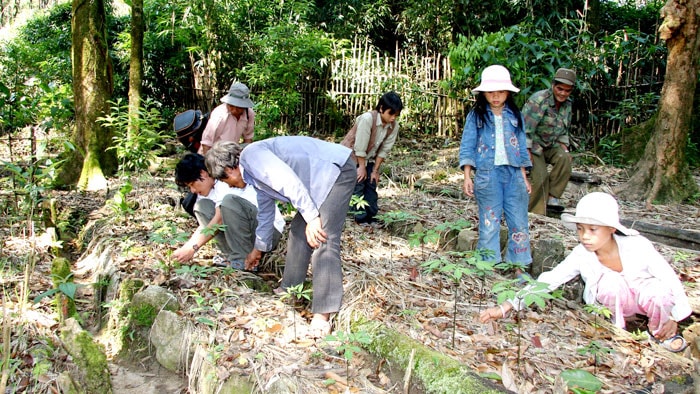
252	333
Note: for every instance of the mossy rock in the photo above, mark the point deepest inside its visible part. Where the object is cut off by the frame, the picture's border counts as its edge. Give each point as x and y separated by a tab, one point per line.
94	376
436	372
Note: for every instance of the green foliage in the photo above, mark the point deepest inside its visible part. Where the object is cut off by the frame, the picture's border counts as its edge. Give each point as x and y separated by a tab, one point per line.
631	111
143	315
35	89
212	229
423	236
350	343
167	233
396	217
453	270
195	271
534	293
457	225
531	57
580	381
204	304
65	286
119	203
610	151
599	310
286	54
639	335
468	263
298	292
630	13
480	261
595	349
357	203
137	138
532	54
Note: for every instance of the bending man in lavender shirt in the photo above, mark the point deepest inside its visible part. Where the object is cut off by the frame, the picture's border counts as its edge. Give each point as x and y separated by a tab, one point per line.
318	179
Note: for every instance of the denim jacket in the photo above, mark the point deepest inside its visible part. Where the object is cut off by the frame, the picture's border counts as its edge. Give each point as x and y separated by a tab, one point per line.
478	147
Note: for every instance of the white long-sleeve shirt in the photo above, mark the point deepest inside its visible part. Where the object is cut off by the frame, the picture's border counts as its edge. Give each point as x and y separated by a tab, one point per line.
640	261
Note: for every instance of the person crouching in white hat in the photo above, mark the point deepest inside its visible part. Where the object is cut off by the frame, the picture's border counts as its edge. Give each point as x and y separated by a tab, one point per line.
622	271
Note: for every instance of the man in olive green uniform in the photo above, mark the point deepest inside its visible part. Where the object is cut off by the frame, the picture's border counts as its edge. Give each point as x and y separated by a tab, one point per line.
547	115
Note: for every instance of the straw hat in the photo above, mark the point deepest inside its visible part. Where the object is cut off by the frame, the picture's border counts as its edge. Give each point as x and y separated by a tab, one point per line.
495	78
599	209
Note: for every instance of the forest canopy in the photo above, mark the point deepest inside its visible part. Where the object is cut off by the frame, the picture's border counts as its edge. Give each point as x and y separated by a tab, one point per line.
286	52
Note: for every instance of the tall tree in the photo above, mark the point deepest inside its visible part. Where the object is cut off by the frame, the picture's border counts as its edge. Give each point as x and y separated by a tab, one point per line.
92	88
662	174
135	63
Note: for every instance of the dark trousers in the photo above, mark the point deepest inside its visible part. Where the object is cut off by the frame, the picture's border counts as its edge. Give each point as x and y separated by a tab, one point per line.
325	260
368	191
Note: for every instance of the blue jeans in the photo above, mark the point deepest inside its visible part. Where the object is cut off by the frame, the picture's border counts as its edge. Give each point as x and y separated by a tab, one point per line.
502	191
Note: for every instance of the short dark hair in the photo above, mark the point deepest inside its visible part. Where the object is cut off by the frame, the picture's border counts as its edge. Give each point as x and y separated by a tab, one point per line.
222	155
390	101
189	169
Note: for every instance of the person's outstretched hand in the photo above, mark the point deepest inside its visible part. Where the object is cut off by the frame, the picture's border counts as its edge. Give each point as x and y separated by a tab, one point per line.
666	331
495	313
315	235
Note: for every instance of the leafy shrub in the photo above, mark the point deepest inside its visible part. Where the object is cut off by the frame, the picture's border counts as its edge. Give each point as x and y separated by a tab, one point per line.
137	139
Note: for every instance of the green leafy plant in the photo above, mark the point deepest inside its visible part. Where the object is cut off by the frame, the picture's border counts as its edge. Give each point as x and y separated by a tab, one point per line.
350	343
294	294
66	288
481	263
454	271
167	233
595	349
597	310
212	229
422	236
580	381
680	256
119	203
357	203
533	293
142	315
138	138
196	271
610	151
205	306
448	228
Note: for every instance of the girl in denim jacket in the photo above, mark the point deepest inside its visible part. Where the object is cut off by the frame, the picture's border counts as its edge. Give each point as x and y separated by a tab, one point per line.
494	146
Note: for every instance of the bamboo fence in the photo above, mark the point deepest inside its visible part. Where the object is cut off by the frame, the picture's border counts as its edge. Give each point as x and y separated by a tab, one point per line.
354	82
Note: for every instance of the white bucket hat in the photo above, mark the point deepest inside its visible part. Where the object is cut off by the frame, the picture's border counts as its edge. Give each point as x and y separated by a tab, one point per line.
597	208
238	96
495	78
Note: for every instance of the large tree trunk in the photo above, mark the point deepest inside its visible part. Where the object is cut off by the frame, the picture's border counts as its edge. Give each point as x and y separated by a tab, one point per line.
662	173
92	88
135	64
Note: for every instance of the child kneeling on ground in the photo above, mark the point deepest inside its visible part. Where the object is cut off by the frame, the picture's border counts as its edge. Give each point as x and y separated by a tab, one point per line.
622	271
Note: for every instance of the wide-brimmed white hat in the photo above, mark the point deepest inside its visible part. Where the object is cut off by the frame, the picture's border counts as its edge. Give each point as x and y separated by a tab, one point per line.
238	96
597	208
495	78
